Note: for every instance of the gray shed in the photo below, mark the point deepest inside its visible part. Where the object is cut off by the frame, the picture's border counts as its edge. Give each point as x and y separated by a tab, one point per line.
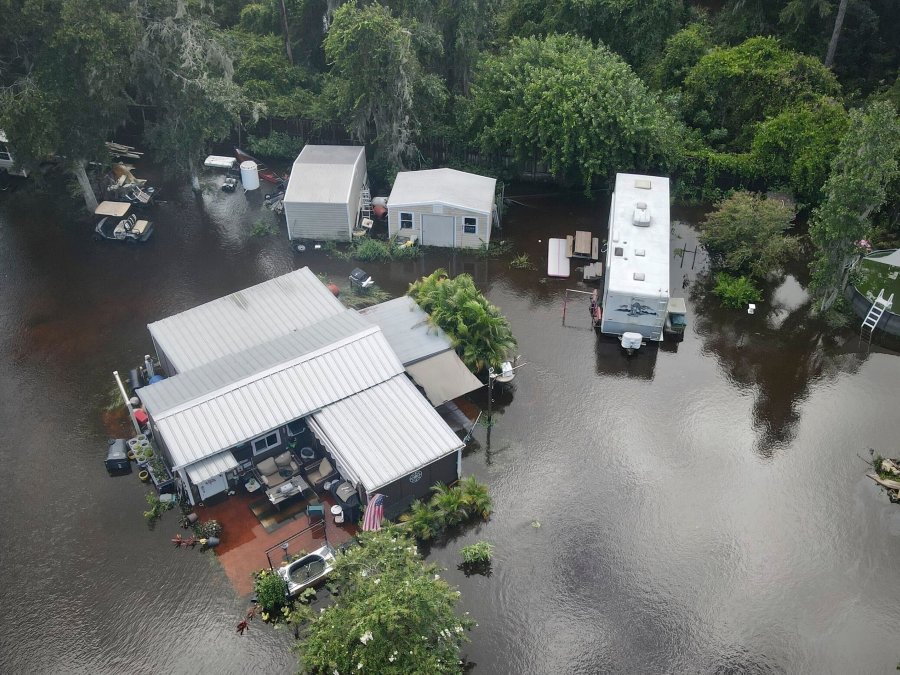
443	207
324	192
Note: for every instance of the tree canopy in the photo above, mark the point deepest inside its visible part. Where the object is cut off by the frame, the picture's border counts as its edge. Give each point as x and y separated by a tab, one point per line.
392	614
580	108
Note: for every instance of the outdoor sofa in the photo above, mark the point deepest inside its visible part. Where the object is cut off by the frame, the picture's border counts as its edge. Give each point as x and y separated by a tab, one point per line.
274	471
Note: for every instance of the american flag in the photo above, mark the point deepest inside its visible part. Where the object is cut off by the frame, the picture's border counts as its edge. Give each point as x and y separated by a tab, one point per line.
374	514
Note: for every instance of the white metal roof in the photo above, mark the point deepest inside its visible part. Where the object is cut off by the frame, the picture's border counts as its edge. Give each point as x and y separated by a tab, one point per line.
653	241
162	396
407	329
323	174
444	186
244	319
244	409
211	466
386	432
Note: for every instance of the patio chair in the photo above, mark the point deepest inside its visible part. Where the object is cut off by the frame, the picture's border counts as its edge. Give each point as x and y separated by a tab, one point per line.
319	472
276	470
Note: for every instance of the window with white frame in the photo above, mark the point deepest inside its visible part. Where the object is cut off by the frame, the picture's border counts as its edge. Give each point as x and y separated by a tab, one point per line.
4	153
406	220
265	443
470	225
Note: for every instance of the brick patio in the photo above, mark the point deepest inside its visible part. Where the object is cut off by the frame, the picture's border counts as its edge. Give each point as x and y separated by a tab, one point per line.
244	540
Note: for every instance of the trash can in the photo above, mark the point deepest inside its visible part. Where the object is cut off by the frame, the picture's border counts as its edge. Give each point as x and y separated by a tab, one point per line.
338	514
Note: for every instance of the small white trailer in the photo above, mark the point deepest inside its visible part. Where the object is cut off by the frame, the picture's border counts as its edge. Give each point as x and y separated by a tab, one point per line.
636	286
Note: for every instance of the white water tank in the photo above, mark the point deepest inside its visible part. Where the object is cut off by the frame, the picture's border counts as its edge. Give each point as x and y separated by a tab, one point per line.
249	175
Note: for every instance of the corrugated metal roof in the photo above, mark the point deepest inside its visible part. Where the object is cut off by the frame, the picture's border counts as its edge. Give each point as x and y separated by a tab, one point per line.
386	432
323	174
211	467
406	327
248	408
192	384
244	319
444	186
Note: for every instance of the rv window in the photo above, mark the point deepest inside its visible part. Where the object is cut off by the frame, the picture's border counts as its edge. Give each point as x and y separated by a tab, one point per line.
619	251
639	276
296	427
470	225
265	443
640	252
406	220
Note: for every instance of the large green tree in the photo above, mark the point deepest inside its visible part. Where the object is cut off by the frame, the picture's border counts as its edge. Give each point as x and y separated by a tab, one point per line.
377	85
732	88
392	614
67	65
188	72
575	106
866	164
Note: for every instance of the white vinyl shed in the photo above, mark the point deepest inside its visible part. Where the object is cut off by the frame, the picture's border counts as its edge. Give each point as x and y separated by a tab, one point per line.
324	193
443	207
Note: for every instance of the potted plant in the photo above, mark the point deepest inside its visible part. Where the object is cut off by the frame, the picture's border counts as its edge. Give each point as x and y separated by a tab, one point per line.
144	475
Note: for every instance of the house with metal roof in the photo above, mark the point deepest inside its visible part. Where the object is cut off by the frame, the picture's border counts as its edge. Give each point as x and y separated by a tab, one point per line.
317	384
326	192
425	350
443	207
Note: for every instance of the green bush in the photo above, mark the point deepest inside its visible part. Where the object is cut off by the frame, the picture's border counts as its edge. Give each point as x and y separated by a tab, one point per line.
371	250
521	262
448	507
208	528
477	554
270	589
735	292
276	145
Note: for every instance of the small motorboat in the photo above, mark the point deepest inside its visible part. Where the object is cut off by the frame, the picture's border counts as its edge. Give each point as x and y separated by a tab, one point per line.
264	172
307	570
117	222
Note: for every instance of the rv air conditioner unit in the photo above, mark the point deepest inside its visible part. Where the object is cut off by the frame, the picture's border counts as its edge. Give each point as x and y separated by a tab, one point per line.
641	215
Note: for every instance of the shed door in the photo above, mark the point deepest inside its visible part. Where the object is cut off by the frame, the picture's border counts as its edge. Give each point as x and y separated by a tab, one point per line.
437	230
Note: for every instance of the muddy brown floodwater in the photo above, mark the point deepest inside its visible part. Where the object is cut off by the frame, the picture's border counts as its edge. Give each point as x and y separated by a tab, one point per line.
701	508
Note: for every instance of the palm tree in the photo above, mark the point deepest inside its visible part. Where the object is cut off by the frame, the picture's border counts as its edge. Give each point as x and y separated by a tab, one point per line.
477	329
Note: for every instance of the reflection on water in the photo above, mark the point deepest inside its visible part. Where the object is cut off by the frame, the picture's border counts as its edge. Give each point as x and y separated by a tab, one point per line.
694	508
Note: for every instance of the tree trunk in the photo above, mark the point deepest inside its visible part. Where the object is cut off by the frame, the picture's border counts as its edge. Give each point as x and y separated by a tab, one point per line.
836	33
287	36
90	199
195	178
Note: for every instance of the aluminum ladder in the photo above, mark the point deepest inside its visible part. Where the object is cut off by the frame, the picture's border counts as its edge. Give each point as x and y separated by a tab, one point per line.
365	199
870	323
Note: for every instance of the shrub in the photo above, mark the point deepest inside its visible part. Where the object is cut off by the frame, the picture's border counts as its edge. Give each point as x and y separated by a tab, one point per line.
448	507
207	529
477	554
263	229
270	589
276	145
371	250
735	292
746	235
521	262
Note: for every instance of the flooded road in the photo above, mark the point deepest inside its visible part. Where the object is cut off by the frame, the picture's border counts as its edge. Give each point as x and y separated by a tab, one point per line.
696	508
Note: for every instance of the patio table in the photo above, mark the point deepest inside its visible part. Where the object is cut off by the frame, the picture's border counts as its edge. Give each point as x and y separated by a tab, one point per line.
295	486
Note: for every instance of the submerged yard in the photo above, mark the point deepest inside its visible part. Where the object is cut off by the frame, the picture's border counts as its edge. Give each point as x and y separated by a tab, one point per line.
695	508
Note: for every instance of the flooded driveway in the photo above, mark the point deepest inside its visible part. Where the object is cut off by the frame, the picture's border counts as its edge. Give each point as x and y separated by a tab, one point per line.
695	508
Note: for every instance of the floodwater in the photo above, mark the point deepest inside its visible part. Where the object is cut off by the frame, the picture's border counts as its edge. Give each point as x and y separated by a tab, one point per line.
697	508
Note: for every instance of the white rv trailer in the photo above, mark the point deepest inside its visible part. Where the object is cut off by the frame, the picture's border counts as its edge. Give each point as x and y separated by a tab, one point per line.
636	288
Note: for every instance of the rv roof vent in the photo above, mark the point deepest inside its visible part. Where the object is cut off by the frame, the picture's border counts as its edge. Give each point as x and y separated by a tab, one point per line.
640	251
619	251
643	183
641	216
638	276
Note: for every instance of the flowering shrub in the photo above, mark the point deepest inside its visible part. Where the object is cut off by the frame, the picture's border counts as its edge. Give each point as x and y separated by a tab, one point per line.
393	614
270	590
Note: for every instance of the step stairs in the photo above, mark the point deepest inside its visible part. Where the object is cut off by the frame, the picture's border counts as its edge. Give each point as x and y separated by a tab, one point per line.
876	311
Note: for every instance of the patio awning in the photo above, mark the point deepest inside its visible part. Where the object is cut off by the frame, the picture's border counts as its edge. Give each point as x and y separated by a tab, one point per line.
211	467
444	377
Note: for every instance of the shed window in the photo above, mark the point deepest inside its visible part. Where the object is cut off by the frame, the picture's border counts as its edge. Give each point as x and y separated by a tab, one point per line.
265	443
406	220
470	225
618	251
4	153
296	427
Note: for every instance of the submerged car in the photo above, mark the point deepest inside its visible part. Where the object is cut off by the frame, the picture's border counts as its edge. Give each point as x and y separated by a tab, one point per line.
117	222
307	570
